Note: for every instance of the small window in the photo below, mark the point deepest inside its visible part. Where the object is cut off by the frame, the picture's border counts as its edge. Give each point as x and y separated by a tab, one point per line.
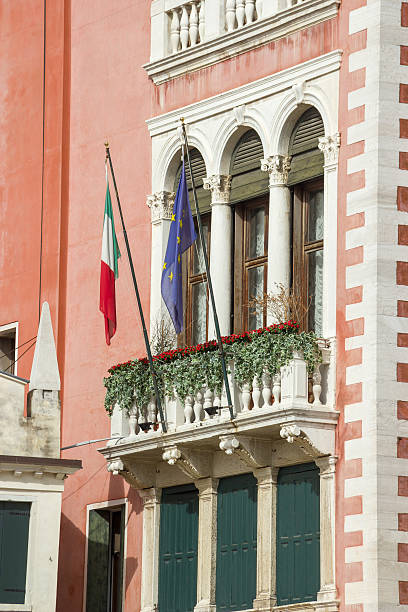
14	529
8	349
104	587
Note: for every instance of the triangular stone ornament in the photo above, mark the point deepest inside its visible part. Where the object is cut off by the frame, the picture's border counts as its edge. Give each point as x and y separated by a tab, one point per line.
44	371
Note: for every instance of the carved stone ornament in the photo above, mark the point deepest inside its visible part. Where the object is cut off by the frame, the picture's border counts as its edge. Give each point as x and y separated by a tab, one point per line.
299	91
239	114
293	434
220	187
139	475
192	463
161	205
253	453
278	167
330	146
116	466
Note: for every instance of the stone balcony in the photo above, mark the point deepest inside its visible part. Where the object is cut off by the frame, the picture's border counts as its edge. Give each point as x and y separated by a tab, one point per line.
292	409
190	35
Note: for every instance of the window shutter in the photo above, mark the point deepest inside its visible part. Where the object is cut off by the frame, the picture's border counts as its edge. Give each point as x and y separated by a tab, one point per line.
236	543
307	159
248	180
97	586
298	534
14	528
178	549
199	173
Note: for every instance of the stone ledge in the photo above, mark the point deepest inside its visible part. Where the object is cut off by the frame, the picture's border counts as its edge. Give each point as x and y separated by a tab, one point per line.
249	37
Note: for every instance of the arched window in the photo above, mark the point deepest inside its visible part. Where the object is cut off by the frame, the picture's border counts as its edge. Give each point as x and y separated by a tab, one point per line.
250	201
306	179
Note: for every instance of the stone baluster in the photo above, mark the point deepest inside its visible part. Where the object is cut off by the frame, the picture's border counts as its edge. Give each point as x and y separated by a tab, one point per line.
230	15
184	28
256	392
198	407
208	403
276	389
152	410
317	386
133	424
193	24
258	6
266	389
250	11
246	396
240	13
201	20
175	31
188	409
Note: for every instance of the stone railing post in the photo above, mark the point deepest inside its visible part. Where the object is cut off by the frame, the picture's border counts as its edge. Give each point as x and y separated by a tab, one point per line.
220	251
279	240
267	478
327	467
150	554
207	544
294	382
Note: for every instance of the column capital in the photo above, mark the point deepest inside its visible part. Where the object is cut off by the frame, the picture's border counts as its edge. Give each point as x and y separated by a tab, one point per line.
278	167
206	487
161	205
330	146
266	476
327	465
150	497
220	187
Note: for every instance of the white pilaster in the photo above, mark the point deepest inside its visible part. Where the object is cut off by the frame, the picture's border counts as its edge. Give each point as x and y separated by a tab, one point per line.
327	467
278	167
150	554
220	251
266	539
207	544
161	206
330	146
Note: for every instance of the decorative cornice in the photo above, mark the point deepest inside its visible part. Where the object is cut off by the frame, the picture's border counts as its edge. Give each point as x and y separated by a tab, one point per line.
278	167
161	205
193	464
220	187
254	35
253	453
330	146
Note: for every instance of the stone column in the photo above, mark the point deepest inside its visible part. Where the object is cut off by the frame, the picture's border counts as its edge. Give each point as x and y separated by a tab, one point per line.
327	467
279	241
330	146
150	553
267	478
220	251
207	544
161	206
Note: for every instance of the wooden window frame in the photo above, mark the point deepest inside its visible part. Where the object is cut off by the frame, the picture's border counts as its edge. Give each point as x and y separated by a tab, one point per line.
301	247
242	262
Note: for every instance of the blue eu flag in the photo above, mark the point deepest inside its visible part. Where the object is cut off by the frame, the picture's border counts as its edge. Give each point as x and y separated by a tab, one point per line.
181	237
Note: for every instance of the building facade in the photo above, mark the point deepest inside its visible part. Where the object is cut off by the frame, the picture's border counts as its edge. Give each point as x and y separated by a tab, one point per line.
296	119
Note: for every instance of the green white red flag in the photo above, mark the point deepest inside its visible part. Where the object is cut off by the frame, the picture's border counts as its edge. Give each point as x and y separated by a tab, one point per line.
109	268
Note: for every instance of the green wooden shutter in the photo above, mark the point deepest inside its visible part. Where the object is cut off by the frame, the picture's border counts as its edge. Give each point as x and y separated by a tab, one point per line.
97	585
236	543
307	159
298	534
248	181
199	173
178	549
14	527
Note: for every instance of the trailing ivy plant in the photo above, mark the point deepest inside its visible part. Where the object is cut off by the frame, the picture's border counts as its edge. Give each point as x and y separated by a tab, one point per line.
186	371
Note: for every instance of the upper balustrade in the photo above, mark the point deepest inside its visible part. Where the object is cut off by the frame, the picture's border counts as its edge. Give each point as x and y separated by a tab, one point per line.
190	35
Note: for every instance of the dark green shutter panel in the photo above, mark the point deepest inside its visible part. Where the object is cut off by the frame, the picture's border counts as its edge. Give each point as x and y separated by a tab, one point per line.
97	586
248	181
14	527
298	534
236	543
307	159
178	549
199	173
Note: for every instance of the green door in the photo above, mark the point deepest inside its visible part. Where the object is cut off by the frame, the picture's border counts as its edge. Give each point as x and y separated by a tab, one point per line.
178	549
97	583
236	543
298	534
14	526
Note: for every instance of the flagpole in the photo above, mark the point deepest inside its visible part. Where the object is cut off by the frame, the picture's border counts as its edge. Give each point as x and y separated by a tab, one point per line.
207	269
139	303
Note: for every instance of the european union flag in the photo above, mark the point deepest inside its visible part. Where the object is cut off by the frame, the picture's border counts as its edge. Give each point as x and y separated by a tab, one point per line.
181	237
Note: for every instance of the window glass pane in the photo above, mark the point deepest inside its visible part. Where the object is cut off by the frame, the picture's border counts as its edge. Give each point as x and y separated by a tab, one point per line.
199	314
198	257
315	291
316	216
255	290
256	232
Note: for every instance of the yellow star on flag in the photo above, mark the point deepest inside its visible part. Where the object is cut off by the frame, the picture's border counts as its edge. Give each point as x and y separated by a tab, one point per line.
171	276
164	265
181	223
178	258
173	217
178	239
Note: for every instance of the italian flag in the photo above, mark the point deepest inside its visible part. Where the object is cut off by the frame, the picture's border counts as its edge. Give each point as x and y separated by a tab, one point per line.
109	268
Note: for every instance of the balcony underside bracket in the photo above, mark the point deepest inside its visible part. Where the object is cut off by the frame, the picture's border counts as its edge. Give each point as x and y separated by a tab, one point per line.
252	452
193	464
